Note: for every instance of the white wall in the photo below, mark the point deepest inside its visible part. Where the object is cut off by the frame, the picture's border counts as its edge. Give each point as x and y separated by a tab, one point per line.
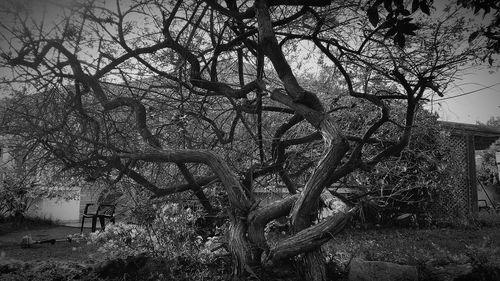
63	211
4	159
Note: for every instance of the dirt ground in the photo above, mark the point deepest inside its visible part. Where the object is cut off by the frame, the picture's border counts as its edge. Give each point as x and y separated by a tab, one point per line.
78	260
411	246
385	244
76	250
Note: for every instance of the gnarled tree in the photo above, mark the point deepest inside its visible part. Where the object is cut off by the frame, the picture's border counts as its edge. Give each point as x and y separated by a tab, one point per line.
208	91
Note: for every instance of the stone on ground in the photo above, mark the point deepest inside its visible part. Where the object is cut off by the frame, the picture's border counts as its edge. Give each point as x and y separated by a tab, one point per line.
361	270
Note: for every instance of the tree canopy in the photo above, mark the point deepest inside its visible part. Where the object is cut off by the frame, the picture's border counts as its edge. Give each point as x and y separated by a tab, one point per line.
242	94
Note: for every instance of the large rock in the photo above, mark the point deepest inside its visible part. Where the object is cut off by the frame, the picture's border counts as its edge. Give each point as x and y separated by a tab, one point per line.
448	272
361	270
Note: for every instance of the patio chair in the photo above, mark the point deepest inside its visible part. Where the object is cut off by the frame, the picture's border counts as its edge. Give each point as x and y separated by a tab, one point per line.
483	205
103	212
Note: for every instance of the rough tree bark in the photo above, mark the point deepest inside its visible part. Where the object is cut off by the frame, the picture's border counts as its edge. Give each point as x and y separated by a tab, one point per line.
308	105
341	154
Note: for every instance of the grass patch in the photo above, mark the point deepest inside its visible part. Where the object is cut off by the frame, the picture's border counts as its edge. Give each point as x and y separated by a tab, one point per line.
61	251
413	246
479	246
488	219
12	224
13	230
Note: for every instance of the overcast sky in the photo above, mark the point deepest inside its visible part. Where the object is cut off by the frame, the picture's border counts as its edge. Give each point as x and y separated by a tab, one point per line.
474	98
458	105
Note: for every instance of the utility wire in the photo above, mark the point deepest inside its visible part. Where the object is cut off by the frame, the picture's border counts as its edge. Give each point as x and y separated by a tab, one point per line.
468	93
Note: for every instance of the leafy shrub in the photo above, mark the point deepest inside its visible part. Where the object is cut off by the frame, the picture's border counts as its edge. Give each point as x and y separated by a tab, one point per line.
484	254
22	189
17	194
166	230
420	180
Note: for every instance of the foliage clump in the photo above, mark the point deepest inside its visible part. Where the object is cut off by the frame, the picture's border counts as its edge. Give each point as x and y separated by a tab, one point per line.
162	230
164	243
23	189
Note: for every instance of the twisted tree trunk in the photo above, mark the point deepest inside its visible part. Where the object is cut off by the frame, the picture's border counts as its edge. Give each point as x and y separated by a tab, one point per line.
240	204
336	146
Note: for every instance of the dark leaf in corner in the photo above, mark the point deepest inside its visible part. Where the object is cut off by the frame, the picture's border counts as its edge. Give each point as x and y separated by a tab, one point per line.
400	39
388	5
414	6
373	15
405	12
409	28
425	8
474	35
391	32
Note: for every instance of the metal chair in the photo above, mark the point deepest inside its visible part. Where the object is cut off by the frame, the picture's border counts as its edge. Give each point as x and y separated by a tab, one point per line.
483	205
104	211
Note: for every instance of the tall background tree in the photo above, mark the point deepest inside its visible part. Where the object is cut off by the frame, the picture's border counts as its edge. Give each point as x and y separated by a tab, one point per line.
219	93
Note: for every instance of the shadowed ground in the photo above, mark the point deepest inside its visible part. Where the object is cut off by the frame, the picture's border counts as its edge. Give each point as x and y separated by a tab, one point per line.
80	251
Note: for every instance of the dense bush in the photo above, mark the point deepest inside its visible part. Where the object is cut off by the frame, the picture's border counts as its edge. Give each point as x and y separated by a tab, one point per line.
23	188
163	243
17	194
162	230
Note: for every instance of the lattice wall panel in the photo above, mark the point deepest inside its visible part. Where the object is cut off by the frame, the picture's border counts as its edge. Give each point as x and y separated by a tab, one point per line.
453	201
